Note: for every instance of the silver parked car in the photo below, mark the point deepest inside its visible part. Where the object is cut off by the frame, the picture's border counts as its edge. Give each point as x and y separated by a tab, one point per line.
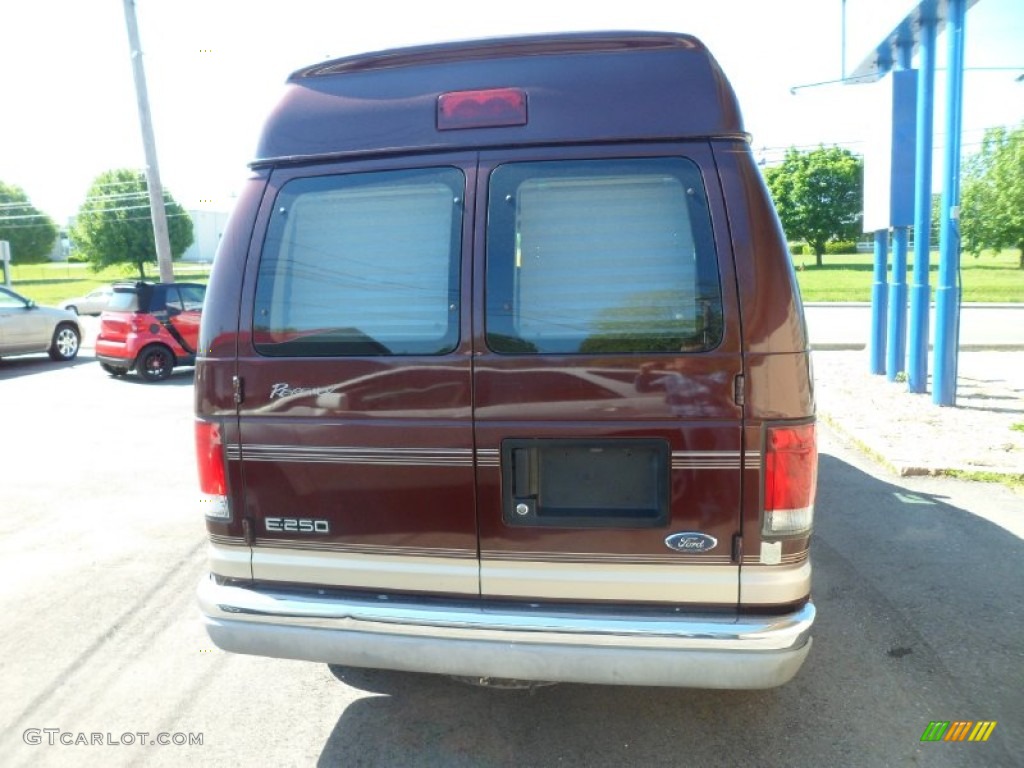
25	327
93	303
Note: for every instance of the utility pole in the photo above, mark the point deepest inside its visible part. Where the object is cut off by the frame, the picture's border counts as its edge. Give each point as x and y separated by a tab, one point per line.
156	190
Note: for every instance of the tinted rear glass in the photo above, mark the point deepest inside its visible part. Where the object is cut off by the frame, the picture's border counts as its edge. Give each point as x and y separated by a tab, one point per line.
124	299
362	264
601	256
192	295
177	298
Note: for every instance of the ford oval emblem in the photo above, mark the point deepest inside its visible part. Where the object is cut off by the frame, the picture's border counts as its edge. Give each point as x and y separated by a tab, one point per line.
691	541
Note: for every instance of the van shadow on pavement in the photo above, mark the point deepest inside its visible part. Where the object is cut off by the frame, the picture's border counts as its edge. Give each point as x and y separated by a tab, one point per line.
915	623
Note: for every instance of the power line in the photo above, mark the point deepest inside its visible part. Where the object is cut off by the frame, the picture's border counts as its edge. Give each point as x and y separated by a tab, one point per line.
91	210
125	195
104	210
87	207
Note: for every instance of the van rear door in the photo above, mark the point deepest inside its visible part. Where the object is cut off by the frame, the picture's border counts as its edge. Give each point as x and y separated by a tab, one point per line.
355	425
607	355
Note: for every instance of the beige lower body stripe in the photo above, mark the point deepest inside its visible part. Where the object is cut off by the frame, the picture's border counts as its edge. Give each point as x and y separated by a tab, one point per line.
229	557
401	573
629	583
765	584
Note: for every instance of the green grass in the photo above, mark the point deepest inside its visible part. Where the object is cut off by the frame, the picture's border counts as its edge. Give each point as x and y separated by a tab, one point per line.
848	277
1016	482
50	284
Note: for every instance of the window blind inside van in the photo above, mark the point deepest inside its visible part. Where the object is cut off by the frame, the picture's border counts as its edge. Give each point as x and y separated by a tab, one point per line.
361	268
602	263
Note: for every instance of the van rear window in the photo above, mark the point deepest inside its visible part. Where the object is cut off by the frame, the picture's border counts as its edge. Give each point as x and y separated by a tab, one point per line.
362	264
601	256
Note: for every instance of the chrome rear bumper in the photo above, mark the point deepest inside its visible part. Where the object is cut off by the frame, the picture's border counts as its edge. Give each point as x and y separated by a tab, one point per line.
523	643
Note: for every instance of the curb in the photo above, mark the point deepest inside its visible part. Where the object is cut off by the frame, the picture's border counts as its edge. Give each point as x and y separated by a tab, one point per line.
963	305
842	346
906	469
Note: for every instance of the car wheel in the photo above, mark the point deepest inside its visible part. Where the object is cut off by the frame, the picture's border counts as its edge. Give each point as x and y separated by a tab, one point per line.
156	364
115	372
65	343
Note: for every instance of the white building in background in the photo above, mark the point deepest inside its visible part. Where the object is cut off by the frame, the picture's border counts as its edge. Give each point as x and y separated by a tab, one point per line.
62	245
207	229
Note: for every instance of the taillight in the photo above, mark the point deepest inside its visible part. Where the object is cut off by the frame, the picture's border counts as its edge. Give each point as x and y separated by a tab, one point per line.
212	476
790	480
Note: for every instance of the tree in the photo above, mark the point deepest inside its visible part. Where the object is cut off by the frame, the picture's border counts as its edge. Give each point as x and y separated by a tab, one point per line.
114	225
818	195
992	193
30	232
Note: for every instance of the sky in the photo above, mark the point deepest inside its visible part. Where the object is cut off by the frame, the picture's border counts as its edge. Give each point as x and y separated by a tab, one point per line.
215	68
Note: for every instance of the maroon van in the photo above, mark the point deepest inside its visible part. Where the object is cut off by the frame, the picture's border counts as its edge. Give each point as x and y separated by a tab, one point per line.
505	375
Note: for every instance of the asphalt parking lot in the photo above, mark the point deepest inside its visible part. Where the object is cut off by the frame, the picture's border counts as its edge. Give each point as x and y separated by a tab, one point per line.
102	544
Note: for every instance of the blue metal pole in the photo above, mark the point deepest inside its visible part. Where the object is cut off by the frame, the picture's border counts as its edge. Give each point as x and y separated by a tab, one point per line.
920	294
897	349
897	346
878	302
947	299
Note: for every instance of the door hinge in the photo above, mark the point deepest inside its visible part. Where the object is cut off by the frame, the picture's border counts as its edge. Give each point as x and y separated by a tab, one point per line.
739	389
737	548
238	386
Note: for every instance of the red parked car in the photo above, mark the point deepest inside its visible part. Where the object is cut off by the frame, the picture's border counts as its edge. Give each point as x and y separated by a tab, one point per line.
150	328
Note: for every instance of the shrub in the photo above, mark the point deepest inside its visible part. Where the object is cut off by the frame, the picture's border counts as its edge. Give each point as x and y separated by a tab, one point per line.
797	249
834	247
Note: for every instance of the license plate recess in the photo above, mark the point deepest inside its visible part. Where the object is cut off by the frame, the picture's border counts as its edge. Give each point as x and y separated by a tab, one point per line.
574	483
